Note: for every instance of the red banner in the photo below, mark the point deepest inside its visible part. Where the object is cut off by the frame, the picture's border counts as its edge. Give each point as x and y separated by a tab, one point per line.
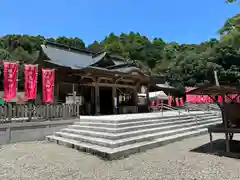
47	85
177	101
190	98
10	80
169	100
30	84
181	102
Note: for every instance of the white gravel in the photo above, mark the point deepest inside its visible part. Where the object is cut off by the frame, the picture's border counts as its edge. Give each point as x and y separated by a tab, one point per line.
47	161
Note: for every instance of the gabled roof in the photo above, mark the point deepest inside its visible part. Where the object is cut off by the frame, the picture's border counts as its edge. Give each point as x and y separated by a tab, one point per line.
108	60
67	57
73	58
99	57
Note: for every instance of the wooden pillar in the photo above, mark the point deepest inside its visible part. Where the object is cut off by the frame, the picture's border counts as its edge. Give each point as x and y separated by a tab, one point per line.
147	98
135	97
224	114
57	92
93	105
97	103
73	93
114	99
225	121
9	108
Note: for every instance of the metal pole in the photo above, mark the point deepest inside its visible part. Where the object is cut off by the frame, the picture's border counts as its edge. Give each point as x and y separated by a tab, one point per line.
162	106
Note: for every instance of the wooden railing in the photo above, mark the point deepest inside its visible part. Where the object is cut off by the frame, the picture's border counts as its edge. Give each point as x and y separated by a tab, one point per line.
13	112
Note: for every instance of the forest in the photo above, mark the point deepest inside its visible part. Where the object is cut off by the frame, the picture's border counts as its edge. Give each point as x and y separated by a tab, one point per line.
182	64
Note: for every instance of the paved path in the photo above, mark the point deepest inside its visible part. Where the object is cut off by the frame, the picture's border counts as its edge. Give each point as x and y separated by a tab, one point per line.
47	161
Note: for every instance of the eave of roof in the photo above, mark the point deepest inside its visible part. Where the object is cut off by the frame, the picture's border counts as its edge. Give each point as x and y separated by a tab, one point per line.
165	86
114	71
129	69
215	90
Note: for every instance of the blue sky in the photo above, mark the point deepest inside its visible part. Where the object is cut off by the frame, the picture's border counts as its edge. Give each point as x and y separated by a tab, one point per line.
184	21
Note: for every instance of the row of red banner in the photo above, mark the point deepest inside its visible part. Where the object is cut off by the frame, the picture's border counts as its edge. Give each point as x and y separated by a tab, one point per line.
206	99
178	101
10	72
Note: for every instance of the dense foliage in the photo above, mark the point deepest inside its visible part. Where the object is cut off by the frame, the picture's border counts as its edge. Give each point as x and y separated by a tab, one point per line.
230	1
183	64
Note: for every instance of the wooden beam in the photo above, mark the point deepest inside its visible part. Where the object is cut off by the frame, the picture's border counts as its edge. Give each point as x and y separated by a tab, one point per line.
88	77
92	84
105	78
124	80
109	85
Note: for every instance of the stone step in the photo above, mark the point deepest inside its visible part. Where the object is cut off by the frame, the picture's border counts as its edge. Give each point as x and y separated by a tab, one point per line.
128	124
130	140
143	146
111	154
137	132
116	129
139	117
139	122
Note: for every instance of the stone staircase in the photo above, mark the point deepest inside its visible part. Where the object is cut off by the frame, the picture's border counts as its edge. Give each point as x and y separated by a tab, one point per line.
117	136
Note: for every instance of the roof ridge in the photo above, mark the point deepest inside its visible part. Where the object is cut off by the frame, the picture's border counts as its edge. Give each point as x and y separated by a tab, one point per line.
65	47
98	53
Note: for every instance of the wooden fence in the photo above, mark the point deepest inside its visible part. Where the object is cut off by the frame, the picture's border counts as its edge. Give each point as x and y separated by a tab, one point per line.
13	112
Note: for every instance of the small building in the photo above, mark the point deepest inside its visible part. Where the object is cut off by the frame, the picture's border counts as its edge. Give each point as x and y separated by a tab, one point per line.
156	95
101	83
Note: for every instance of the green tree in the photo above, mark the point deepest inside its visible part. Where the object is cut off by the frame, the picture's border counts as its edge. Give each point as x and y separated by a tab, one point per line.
72	42
182	64
230	1
96	47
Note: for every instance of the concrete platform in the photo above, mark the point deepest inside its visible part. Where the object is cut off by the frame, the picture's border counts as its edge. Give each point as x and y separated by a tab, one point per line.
116	136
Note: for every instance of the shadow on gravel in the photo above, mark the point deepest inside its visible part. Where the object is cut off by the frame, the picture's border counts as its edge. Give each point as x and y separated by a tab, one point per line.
219	149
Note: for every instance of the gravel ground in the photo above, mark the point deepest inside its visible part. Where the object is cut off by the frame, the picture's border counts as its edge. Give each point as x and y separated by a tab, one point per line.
47	161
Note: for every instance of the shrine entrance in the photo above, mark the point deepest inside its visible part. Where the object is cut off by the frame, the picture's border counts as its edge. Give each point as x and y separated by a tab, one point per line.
106	100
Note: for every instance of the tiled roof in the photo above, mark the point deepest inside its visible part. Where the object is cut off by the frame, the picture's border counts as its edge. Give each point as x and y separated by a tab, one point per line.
80	59
69	58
